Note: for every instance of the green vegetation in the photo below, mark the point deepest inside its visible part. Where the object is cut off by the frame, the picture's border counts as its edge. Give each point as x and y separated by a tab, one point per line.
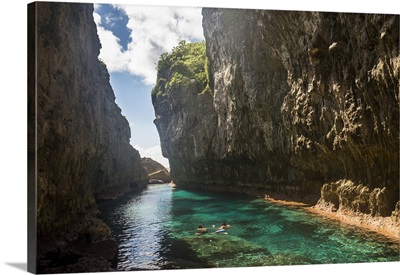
185	65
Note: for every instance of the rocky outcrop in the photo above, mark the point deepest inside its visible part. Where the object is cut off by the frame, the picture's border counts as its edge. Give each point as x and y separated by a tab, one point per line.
85	246
156	171
78	138
344	194
298	99
358	205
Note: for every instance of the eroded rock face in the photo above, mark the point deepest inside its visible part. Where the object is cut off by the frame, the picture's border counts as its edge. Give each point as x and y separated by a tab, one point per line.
345	194
396	213
156	171
299	99
76	130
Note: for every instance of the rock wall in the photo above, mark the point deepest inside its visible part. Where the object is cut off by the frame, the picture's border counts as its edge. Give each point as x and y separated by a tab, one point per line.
156	171
78	138
298	99
345	194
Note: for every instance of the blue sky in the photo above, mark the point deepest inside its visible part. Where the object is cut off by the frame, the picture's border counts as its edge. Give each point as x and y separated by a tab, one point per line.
133	37
115	20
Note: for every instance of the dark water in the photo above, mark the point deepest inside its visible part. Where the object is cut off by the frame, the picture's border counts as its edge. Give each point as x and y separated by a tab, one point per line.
156	230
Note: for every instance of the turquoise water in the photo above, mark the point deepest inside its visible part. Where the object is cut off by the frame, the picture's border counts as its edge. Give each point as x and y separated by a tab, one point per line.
155	229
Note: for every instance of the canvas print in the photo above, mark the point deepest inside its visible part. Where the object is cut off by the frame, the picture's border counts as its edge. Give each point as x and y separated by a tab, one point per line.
192	137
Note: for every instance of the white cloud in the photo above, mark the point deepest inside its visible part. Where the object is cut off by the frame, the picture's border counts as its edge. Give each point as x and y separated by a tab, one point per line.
155	30
153	153
111	51
97	18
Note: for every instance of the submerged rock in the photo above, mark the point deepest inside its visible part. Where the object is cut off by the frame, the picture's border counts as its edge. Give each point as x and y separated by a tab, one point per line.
231	251
287	259
227	251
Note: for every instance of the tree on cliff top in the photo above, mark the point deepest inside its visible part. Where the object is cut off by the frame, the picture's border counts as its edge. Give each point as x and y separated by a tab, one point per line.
187	63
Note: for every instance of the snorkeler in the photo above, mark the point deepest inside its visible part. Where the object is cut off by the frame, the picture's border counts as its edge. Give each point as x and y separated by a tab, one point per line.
201	230
222	228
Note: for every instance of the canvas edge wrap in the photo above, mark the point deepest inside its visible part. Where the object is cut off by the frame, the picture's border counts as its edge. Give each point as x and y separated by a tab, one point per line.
32	132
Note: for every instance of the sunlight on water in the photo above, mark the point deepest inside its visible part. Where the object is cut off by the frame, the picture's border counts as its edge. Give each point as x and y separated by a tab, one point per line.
156	230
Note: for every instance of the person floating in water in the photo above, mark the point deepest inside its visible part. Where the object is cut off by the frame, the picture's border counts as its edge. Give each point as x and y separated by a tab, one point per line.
222	228
201	230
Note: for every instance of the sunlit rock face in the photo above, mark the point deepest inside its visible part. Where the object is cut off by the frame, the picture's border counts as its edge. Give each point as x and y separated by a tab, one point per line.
156	171
82	139
298	99
345	194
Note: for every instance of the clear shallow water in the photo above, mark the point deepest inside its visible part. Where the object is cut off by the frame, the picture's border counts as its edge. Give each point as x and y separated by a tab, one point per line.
155	229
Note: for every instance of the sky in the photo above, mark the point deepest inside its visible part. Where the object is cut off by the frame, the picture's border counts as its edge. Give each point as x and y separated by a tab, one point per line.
133	37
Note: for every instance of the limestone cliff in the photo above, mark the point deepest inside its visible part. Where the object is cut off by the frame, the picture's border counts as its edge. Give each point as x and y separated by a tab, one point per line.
78	138
298	99
156	171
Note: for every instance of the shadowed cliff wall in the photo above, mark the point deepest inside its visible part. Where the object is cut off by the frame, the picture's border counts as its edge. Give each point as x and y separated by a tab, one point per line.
76	130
